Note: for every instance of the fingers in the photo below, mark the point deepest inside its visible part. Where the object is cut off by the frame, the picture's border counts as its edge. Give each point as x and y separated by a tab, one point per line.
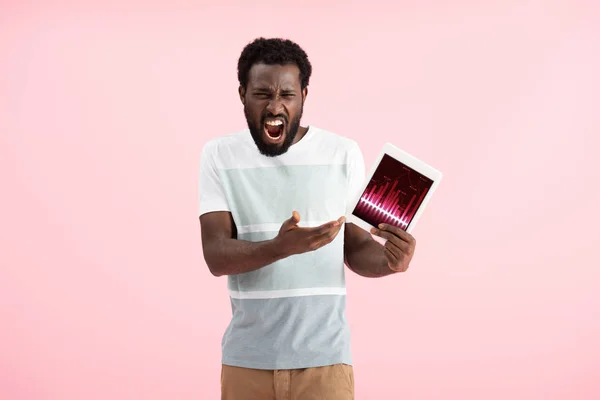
326	233
393	261
323	229
393	231
395	250
391	238
313	238
398	248
331	230
326	237
401	233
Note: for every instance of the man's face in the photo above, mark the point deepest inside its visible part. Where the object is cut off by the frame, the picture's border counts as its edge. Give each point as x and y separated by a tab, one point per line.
273	102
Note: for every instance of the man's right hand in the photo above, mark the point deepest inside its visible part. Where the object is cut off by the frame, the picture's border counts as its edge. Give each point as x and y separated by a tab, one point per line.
293	239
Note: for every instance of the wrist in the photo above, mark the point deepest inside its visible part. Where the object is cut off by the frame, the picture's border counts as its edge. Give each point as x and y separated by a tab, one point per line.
277	249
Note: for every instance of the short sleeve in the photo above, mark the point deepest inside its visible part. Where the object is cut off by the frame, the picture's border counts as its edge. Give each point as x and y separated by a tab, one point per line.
356	173
211	194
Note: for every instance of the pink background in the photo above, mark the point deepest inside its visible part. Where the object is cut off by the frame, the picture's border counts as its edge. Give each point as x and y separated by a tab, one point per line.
104	109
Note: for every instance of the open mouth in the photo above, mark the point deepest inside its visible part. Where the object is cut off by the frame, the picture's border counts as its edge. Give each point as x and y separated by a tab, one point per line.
274	130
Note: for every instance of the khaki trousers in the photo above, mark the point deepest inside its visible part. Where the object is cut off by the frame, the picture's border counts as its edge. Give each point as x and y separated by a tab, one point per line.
333	382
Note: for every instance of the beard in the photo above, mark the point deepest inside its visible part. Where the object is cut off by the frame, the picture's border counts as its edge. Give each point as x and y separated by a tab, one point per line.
270	149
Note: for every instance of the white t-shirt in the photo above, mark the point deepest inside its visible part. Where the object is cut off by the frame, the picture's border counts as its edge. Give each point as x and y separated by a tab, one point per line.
289	314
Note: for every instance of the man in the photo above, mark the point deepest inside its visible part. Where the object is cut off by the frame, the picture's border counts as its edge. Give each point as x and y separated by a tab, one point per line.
272	204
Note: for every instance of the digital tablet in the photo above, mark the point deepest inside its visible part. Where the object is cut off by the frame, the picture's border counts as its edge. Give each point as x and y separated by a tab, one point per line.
396	191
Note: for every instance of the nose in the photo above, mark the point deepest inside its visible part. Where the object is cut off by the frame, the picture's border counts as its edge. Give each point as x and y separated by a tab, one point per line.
275	106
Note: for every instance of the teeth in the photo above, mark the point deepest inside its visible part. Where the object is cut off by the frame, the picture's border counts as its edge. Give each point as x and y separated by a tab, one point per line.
274	123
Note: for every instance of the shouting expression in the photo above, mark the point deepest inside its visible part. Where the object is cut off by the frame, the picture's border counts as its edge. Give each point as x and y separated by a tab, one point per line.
273	101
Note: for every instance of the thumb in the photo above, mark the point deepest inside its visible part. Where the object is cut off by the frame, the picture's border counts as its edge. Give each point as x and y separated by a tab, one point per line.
293	221
295	217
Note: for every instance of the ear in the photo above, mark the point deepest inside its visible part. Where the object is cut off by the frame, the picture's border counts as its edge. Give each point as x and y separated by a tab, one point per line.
242	93
304	94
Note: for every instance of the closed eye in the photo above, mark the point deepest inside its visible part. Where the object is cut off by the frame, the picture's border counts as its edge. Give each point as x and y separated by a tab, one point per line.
264	95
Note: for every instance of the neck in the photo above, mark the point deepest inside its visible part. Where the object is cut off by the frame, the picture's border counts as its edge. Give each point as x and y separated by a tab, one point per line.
301	132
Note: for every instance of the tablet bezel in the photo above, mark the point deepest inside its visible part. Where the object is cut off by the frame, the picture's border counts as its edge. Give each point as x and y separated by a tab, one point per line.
410	161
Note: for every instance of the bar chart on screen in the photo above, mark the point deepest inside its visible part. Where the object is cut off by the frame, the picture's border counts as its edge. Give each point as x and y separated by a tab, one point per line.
393	195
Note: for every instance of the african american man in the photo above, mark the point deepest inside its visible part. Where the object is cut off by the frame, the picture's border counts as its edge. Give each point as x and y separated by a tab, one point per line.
272	200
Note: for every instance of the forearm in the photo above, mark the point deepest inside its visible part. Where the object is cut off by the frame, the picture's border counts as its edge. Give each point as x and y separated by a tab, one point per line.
233	256
368	260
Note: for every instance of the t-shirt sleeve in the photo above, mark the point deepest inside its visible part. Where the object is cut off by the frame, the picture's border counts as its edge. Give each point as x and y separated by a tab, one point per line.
211	194
356	174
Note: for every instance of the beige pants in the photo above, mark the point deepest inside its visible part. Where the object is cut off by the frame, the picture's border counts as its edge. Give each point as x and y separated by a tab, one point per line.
334	382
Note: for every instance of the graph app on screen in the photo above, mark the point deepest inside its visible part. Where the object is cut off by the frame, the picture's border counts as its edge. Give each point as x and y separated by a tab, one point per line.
393	195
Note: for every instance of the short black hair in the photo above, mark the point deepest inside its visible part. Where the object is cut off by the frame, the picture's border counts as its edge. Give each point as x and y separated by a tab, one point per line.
275	51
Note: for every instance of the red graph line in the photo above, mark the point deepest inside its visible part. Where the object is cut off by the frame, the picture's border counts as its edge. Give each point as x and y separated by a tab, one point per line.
412	214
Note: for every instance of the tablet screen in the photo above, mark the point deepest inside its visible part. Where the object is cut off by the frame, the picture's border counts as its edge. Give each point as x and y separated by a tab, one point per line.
393	195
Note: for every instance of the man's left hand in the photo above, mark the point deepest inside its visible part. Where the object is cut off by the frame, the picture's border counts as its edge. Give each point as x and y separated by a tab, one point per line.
398	248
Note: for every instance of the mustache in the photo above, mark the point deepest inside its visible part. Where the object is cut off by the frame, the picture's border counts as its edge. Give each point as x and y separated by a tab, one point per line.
270	115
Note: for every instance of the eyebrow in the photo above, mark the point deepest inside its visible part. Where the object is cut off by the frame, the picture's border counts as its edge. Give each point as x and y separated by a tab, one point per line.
267	89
